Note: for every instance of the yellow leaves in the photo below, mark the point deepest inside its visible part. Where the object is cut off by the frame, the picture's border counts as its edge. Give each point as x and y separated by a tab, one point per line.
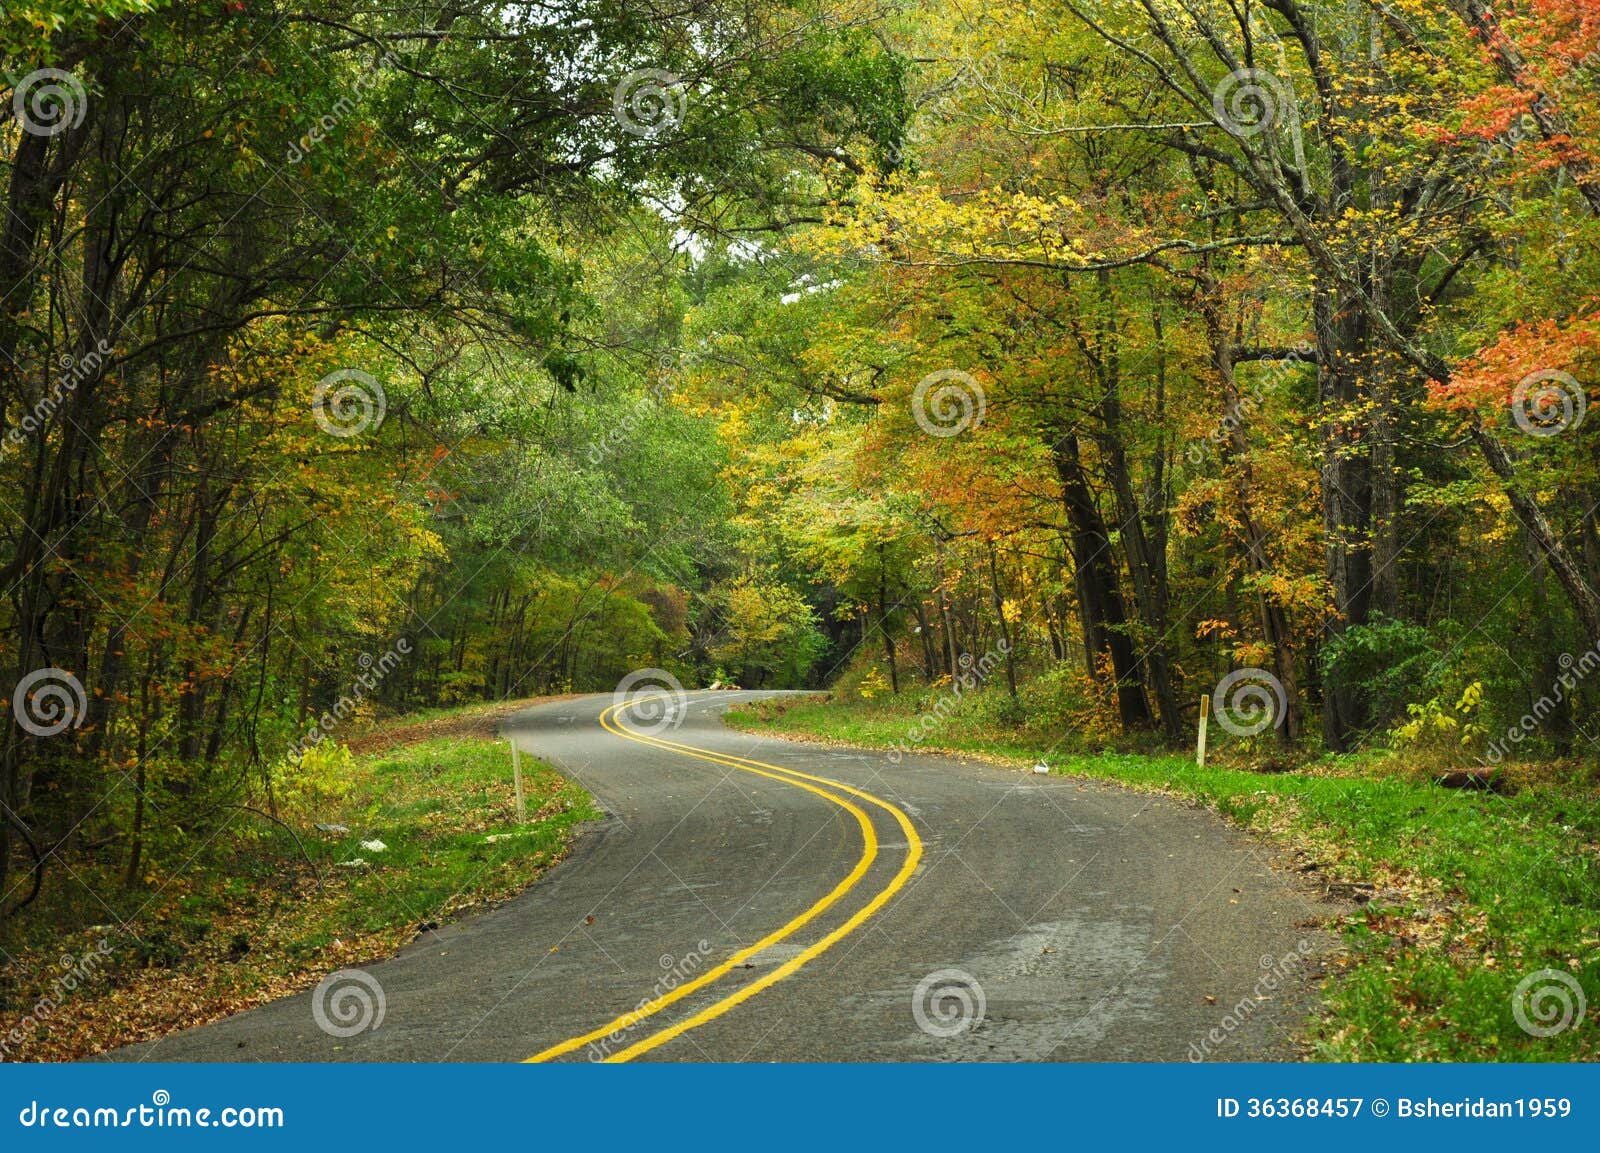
1253	653
932	226
1433	723
874	684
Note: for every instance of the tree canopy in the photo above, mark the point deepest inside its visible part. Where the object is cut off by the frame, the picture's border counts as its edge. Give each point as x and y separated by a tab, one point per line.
358	358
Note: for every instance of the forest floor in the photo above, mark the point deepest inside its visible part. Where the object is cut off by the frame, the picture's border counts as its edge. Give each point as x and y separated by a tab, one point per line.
415	826
1473	906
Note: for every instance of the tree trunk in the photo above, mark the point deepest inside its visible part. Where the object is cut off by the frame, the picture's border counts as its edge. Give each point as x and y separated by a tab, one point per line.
930	659
883	622
1099	587
949	619
1341	338
1000	621
1236	460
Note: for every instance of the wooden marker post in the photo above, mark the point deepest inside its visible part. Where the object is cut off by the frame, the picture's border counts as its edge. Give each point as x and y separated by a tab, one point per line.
1200	745
516	773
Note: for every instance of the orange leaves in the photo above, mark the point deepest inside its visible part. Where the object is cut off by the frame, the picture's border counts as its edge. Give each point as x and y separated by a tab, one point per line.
1495	113
1494	372
1561	33
1542	51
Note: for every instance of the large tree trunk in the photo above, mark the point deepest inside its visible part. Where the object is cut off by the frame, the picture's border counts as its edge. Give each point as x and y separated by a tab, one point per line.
1342	345
1149	576
1234	452
1100	600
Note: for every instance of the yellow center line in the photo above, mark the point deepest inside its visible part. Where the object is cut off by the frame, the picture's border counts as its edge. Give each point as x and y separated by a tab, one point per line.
609	721
869	854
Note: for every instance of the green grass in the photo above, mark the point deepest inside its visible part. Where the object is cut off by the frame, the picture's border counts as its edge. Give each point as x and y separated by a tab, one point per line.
1470	892
434	804
272	907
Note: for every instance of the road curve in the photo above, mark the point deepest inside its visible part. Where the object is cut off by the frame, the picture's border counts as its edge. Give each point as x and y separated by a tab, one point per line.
747	899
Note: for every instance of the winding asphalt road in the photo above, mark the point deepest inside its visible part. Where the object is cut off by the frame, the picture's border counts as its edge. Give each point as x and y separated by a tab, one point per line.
772	901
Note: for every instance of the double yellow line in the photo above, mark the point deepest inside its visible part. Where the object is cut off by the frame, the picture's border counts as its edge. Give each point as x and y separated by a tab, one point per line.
823	787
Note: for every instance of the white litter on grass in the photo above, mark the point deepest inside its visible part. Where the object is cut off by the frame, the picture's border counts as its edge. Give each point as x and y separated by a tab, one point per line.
496	838
352	863
1041	767
374	846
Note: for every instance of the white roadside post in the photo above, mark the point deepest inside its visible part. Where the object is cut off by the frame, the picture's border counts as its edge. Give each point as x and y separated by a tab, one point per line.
516	772
1200	745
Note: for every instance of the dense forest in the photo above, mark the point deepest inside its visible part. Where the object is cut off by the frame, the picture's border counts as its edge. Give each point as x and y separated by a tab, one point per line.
364	359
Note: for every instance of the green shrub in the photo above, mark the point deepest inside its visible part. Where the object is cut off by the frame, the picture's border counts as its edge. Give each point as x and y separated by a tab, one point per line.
317	782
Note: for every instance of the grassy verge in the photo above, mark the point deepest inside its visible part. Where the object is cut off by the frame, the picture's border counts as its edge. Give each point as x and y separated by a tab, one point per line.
1464	895
270	908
